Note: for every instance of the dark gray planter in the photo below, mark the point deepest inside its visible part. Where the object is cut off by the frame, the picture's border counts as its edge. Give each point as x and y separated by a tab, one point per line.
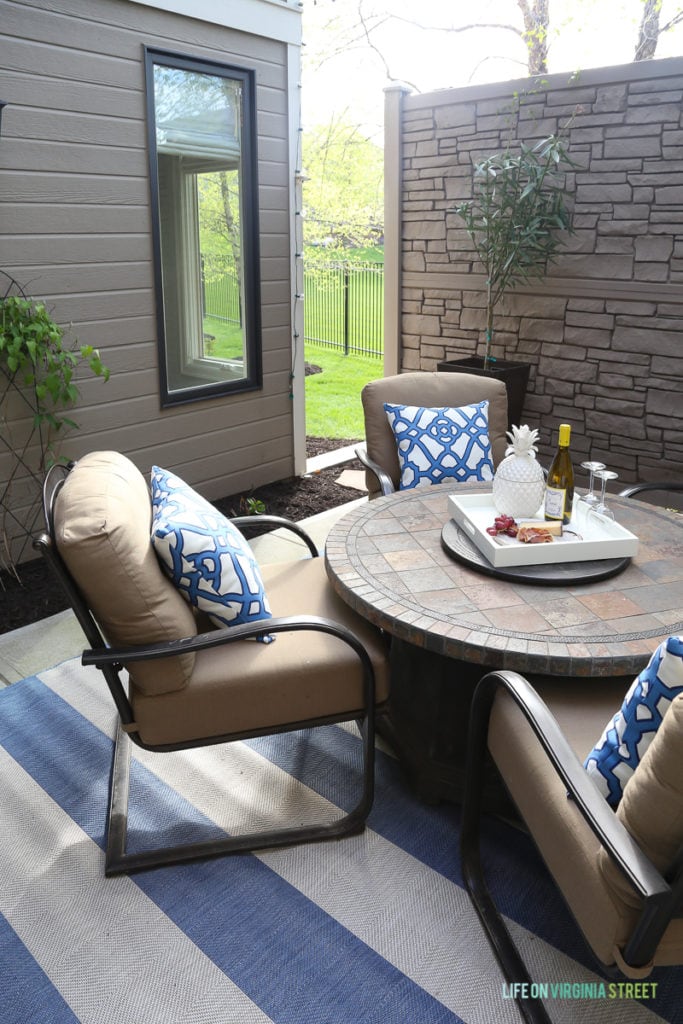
514	375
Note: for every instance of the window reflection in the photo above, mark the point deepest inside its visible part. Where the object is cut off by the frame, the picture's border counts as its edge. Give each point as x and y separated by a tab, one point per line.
206	228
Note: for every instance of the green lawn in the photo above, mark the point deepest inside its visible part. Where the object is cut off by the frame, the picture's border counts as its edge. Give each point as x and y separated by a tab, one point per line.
222	340
333	406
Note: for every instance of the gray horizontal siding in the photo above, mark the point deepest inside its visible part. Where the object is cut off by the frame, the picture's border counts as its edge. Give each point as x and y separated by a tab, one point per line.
75	249
60	158
75	225
121	26
32	218
36	186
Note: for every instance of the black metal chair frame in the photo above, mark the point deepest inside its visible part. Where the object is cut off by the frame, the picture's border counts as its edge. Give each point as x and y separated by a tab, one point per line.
668	485
386	484
110	661
661	897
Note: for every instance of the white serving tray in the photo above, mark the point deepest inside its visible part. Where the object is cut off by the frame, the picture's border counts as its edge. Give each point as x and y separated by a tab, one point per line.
589	541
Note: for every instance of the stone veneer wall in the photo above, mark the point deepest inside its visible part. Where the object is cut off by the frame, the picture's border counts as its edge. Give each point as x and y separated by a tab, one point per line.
603	330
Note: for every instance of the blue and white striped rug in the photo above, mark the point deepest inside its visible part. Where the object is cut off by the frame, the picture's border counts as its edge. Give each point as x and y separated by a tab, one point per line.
376	928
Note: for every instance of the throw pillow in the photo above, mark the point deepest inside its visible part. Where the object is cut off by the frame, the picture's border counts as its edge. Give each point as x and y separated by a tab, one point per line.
627	736
441	444
207	558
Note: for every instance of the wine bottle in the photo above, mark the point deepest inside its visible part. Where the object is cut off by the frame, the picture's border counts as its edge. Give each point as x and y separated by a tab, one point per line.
559	489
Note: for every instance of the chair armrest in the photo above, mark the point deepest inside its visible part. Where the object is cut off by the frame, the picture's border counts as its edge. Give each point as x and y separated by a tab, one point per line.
613	836
281	523
661	485
117	656
386	484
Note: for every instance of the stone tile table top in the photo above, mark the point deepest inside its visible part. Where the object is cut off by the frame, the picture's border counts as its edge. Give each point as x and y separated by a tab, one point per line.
385	559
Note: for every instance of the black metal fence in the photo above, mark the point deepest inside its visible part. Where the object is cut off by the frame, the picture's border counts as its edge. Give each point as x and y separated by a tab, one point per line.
344	307
221	297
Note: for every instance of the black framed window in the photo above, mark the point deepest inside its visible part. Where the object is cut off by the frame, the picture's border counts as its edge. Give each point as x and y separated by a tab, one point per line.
203	173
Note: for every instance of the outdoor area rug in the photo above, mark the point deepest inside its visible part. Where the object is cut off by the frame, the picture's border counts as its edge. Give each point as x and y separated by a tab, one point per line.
374	928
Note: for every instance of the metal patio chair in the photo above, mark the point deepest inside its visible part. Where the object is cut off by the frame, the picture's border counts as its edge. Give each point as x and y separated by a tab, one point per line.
193	685
380	456
620	872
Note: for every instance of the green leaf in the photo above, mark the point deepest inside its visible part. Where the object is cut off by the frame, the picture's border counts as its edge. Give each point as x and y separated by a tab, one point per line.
33	344
518	206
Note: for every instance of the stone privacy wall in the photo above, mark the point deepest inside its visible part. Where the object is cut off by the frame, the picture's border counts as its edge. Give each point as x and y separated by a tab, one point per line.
603	330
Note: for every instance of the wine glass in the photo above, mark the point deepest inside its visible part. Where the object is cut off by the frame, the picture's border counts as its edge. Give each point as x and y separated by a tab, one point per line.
602	509
590	497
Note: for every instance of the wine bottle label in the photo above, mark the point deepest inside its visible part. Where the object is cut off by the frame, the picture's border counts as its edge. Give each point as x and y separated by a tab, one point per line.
555	501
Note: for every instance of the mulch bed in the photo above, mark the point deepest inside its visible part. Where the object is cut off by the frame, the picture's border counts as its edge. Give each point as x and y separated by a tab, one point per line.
300	497
35	595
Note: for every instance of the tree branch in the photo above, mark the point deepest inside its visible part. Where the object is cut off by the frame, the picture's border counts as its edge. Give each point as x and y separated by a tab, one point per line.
676	20
456	29
376	50
496	56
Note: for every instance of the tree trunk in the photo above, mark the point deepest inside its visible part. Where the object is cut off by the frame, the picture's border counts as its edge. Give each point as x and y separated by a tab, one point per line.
233	229
536	20
489	325
648	33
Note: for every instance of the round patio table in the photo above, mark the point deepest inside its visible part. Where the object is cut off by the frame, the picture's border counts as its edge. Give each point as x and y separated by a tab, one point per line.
450	623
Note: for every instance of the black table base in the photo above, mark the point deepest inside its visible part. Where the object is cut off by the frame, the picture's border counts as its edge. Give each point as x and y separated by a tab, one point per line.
427	724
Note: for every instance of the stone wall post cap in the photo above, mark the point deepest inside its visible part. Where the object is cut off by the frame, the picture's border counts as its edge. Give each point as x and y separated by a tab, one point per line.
398	87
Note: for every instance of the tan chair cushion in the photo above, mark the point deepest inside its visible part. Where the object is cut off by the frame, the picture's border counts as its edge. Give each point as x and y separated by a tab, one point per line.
247	685
652	805
102	530
565	841
433	390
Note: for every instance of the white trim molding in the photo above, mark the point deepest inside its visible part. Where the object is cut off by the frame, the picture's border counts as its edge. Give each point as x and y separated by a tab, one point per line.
393	161
274	19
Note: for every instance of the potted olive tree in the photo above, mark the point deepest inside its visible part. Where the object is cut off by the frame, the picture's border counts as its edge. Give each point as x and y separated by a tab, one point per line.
37	389
514	220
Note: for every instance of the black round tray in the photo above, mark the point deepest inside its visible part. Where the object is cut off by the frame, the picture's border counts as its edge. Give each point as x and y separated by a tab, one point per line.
556	574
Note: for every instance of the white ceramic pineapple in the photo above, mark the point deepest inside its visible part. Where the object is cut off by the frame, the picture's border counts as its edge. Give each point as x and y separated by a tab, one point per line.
519	484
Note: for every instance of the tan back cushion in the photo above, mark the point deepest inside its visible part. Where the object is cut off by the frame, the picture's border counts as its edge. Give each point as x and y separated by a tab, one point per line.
102	531
433	390
652	805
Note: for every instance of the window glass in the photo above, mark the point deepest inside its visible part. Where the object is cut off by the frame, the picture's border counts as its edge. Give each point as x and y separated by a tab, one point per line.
202	149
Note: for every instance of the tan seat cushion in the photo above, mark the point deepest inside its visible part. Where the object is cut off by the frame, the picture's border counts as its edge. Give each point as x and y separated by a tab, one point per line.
102	530
565	841
434	390
247	685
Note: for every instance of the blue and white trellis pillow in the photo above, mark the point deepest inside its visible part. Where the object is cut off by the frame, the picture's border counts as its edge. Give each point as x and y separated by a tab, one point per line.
618	752
441	444
207	558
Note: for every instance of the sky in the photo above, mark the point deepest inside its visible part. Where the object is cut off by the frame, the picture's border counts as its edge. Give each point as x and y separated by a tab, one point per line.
584	34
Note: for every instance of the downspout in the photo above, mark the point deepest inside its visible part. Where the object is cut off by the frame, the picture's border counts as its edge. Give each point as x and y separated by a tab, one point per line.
393	175
296	251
